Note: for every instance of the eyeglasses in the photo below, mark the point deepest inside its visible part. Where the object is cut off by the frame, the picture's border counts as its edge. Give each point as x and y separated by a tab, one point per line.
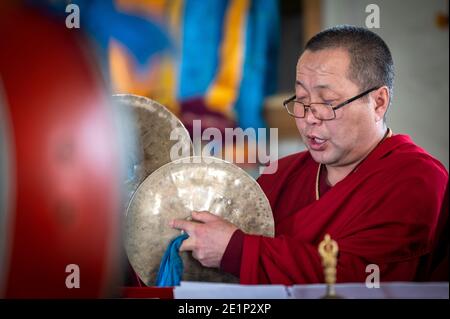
321	111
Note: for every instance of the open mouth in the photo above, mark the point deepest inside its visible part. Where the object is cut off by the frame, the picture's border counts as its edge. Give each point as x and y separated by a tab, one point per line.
316	143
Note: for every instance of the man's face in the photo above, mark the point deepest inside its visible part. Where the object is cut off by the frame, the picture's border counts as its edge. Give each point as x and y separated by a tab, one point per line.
322	78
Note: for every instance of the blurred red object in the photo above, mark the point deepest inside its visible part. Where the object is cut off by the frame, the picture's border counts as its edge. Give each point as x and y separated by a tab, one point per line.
60	159
148	292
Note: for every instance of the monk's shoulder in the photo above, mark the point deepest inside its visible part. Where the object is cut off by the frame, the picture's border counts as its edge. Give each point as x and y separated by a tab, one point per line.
411	165
415	159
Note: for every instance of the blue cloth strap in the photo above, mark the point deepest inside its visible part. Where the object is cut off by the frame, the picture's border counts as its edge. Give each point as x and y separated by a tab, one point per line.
171	267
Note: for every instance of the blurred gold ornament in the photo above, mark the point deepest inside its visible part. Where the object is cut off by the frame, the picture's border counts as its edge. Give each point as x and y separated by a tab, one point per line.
328	250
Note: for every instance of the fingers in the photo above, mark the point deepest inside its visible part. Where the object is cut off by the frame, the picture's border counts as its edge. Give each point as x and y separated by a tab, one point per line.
185	225
190	228
188	244
204	217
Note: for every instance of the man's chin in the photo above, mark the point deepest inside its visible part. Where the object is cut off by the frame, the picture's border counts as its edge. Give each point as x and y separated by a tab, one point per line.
321	157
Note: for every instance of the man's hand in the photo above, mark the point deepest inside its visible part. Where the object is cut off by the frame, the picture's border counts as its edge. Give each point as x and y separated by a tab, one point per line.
208	237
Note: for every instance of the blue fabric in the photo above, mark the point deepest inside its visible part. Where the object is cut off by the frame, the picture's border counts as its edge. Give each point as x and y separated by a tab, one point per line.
260	66
202	37
103	21
171	267
200	52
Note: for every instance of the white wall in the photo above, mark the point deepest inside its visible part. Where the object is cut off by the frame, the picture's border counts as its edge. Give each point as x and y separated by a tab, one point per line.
421	91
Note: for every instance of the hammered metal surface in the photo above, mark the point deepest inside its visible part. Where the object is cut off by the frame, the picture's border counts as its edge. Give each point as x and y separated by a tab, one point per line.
152	125
177	189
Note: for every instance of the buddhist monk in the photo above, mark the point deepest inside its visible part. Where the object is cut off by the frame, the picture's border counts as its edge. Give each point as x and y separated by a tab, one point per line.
380	196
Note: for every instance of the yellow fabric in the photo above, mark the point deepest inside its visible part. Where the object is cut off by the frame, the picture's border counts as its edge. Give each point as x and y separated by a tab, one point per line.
123	77
224	89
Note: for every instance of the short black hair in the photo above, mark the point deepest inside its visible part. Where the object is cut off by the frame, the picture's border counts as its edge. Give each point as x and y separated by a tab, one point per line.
371	63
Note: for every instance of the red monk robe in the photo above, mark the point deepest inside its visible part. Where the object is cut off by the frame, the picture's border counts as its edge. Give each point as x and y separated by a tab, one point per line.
383	213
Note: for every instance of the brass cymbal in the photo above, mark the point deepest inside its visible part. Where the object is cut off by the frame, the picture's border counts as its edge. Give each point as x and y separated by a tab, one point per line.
149	137
177	189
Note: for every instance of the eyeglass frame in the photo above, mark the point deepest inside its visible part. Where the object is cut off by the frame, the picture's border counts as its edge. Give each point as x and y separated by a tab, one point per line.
334	108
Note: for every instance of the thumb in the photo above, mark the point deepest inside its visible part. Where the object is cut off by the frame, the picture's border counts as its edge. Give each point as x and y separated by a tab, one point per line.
204	217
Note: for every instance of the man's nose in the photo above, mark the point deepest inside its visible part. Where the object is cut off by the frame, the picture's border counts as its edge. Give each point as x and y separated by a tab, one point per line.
309	116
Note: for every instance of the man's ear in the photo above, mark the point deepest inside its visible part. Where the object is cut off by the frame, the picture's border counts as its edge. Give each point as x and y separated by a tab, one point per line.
381	98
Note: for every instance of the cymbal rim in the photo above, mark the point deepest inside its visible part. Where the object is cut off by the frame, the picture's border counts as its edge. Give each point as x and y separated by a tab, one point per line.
149	148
